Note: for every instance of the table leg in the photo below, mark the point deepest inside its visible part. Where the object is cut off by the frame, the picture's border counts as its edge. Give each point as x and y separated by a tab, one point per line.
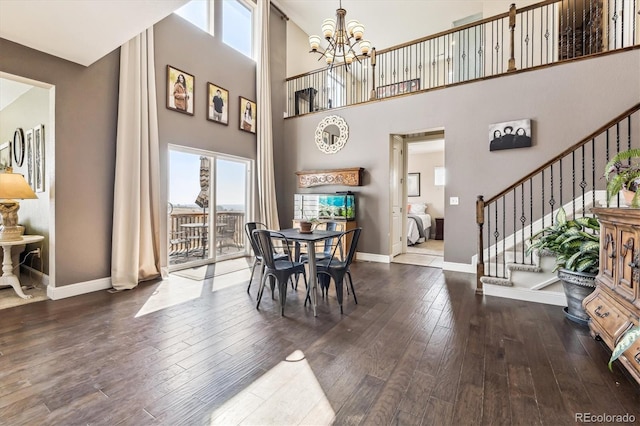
313	279
8	278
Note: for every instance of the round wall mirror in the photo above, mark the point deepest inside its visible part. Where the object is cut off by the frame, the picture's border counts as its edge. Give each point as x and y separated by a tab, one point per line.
332	134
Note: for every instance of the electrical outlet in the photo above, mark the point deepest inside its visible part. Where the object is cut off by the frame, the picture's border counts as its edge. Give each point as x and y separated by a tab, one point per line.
36	253
454	201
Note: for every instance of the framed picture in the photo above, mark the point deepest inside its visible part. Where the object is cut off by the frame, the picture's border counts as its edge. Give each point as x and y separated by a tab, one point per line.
248	115
326	138
5	156
398	88
180	95
28	137
413	184
217	104
38	158
510	134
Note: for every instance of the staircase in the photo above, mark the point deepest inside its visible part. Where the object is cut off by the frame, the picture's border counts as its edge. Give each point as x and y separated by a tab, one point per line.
507	220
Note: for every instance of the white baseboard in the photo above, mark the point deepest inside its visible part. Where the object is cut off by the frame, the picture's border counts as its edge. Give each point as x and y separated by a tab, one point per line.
370	257
547	297
71	290
37	275
459	267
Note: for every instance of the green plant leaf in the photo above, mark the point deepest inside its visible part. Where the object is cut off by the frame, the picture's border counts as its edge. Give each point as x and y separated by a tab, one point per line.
625	343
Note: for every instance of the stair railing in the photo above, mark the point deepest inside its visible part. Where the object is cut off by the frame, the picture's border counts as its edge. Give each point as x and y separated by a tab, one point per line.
537	35
572	179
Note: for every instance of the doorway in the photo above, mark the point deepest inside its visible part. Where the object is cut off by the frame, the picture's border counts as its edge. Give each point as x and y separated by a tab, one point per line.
209	202
423	203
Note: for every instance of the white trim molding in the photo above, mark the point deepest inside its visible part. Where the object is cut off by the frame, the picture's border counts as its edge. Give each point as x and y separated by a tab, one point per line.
469	268
371	257
71	290
537	296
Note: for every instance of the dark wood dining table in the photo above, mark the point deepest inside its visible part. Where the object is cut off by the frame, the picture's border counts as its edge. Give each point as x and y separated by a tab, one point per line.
310	239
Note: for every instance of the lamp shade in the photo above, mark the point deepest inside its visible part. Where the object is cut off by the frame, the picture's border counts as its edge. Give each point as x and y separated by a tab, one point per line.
14	186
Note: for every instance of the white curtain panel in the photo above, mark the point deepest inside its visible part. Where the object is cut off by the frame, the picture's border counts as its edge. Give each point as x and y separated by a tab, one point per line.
135	254
266	179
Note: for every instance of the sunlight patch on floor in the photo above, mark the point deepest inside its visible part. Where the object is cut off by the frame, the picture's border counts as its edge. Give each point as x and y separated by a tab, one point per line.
171	292
288	394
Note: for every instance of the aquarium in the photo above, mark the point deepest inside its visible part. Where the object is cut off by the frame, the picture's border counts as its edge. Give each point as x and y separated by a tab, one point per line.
337	206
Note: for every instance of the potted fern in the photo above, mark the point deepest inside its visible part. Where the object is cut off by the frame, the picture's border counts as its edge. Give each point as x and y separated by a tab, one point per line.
576	245
624	178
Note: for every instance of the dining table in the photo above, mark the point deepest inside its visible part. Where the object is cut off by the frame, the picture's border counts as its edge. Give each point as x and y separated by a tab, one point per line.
310	239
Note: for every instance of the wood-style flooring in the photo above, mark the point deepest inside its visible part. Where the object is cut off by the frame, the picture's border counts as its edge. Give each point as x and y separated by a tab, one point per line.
420	348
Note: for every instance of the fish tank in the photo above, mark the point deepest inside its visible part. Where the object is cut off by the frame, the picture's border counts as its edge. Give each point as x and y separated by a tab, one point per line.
337	206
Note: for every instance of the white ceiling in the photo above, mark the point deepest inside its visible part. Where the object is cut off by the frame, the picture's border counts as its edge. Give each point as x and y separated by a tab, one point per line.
426	147
10	91
79	31
83	31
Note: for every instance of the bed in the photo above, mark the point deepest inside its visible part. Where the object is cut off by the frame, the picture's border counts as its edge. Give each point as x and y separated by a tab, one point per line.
418	224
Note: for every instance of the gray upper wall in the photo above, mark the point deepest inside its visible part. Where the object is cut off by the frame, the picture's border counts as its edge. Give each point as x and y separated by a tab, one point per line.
86	108
565	102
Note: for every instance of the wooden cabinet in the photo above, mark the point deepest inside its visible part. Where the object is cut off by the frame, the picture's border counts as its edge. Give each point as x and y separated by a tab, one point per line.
614	306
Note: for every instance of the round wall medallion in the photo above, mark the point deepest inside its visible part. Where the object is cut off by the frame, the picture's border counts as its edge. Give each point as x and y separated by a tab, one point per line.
332	134
18	147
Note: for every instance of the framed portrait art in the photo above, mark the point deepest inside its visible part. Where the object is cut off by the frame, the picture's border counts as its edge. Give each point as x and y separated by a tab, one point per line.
217	104
413	185
38	158
248	115
180	95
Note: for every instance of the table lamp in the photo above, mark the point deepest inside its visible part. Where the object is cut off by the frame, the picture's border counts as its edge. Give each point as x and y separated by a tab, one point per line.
12	187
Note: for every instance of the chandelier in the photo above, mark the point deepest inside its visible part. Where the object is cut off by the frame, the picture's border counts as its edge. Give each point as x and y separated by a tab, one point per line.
345	40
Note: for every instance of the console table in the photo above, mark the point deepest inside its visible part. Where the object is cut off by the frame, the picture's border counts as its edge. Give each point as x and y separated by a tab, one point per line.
8	278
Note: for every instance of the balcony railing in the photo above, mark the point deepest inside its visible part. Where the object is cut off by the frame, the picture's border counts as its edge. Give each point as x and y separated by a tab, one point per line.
191	242
538	35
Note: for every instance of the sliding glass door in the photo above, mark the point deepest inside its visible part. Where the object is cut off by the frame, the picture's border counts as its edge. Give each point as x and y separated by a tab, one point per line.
208	197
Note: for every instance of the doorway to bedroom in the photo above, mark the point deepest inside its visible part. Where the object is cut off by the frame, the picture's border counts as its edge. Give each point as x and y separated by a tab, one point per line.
424	180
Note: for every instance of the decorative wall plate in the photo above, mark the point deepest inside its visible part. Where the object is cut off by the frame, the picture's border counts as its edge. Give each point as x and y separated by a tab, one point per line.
18	147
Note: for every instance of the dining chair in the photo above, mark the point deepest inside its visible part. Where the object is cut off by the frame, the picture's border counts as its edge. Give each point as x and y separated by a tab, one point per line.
280	269
227	233
329	245
249	227
337	267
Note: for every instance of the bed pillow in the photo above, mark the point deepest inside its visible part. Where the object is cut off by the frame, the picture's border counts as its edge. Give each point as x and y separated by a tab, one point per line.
418	208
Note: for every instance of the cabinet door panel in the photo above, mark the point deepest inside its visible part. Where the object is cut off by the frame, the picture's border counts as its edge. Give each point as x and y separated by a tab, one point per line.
608	251
626	278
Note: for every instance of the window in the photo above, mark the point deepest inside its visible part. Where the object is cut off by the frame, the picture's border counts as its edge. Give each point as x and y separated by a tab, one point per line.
438	176
199	13
237	26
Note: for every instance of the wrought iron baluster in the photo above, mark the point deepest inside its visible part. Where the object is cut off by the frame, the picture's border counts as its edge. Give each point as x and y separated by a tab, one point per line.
515	258
593	171
573	182
523	219
583	183
531	214
488	216
504	234
560	183
552	201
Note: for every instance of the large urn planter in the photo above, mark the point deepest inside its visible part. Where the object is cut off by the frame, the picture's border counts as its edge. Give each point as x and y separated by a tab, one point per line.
577	286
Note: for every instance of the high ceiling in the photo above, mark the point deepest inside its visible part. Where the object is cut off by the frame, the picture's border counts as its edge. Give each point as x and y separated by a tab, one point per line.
83	31
79	31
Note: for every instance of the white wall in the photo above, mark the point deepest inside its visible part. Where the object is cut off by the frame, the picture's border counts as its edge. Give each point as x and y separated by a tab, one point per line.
433	196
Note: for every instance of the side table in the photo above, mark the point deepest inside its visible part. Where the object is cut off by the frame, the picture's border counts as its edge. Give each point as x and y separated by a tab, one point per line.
8	278
440	228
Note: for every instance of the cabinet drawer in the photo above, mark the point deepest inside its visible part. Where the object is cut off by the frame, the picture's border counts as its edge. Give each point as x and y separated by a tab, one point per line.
608	316
632	360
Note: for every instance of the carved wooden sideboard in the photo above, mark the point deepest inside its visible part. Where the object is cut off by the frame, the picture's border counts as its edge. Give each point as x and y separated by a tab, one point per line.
614	306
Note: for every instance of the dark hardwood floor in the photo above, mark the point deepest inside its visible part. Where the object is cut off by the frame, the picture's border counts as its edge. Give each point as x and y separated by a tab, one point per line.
420	348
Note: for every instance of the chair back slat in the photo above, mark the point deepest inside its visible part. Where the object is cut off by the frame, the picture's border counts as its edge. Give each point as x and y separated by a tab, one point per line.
264	241
342	241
